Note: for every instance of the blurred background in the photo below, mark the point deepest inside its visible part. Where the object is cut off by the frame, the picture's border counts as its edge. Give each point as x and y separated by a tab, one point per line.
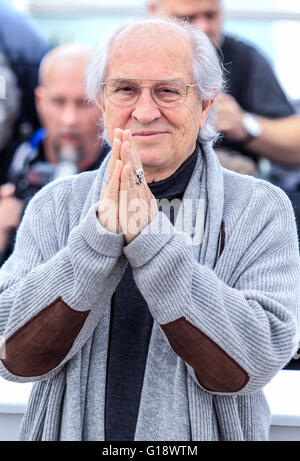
272	25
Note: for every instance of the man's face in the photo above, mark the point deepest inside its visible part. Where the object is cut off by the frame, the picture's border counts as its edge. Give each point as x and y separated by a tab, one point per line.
164	137
204	14
64	112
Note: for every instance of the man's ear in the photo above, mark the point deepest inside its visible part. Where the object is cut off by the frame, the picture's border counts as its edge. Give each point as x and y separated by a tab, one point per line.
39	97
206	107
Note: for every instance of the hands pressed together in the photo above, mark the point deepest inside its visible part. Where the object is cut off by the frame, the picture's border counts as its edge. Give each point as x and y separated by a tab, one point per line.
125	205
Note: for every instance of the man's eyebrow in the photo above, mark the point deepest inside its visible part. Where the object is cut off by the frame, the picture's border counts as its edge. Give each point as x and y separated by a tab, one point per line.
191	17
187	17
123	79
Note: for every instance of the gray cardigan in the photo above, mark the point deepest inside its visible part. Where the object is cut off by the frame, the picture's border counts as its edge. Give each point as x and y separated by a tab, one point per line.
246	303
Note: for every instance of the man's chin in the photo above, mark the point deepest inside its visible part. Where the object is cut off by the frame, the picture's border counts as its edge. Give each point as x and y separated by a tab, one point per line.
66	149
150	157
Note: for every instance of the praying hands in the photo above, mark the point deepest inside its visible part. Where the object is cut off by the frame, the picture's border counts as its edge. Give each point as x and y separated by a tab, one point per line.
126	203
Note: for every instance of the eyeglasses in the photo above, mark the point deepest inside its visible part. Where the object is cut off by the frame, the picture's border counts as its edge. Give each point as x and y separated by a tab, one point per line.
166	93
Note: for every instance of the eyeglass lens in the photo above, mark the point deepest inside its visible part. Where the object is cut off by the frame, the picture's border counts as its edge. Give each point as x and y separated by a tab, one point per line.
126	92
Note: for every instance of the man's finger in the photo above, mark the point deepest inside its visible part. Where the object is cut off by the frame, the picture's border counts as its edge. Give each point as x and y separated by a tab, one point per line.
132	180
125	153
115	151
114	182
125	185
114	156
108	206
135	159
127	135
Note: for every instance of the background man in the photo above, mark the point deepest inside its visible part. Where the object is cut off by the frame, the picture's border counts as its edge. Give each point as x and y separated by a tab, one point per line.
137	327
254	115
71	133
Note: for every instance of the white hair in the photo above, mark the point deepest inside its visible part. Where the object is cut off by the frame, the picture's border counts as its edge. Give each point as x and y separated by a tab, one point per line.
206	68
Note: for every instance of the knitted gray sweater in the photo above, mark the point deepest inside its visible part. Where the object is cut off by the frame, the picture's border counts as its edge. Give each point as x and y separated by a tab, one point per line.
65	266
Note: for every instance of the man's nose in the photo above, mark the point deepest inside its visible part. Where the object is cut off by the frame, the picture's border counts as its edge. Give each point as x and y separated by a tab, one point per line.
146	109
69	115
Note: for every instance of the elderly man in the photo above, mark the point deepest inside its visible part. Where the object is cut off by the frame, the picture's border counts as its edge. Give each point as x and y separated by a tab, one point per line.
132	327
68	142
254	114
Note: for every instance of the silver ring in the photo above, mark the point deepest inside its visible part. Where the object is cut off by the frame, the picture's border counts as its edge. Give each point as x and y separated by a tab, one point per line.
139	174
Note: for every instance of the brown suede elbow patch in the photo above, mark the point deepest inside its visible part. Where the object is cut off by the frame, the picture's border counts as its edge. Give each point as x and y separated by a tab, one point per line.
42	343
215	370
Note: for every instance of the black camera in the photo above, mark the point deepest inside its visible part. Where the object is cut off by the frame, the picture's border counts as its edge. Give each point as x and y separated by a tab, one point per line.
34	176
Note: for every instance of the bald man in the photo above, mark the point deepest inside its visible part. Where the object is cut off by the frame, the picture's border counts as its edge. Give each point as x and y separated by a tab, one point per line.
70	129
254	115
62	106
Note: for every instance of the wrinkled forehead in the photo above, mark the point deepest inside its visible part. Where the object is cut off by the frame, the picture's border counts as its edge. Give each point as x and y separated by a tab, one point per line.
151	51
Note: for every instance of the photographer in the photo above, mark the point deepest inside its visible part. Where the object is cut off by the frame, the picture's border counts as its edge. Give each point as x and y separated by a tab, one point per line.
22	46
68	143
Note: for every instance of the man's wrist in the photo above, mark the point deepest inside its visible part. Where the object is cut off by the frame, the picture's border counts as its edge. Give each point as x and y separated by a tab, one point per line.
98	237
251	126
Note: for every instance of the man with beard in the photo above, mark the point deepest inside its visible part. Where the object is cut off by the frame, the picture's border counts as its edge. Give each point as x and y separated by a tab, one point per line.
69	141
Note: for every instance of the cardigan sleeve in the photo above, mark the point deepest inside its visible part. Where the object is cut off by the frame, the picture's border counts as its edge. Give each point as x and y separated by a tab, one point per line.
51	299
234	326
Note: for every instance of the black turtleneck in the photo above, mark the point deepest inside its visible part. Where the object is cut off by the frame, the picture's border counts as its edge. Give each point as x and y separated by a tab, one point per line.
130	331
